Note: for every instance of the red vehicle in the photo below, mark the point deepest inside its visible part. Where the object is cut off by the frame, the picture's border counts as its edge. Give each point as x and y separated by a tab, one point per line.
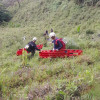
61	53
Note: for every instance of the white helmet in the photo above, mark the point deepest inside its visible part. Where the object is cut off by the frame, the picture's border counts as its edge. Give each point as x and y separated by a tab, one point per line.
34	39
52	34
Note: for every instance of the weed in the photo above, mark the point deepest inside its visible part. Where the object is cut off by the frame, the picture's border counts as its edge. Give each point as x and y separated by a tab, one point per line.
24	58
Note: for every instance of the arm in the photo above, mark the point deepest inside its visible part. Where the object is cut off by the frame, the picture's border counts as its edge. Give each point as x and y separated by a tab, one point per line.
36	47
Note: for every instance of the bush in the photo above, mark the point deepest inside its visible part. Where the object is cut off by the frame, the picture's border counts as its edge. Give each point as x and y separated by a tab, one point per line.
88	2
72	45
91	2
59	3
78	1
4	16
89	32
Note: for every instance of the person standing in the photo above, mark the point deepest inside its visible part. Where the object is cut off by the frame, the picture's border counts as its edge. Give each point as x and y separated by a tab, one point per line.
46	37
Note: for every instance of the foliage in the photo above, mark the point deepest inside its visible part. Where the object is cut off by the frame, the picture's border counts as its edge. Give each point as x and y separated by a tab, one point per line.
89	2
89	32
78	29
21	78
4	14
24	58
79	1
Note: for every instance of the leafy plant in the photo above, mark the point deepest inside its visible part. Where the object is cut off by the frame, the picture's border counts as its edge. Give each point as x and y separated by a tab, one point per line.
60	95
78	29
24	58
4	14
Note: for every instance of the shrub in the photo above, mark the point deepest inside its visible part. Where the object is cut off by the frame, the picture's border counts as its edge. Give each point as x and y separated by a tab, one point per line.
72	45
59	3
60	95
88	2
89	31
4	16
91	2
78	1
94	1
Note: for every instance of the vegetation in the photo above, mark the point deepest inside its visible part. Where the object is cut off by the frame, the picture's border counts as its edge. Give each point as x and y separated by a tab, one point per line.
88	2
51	79
4	14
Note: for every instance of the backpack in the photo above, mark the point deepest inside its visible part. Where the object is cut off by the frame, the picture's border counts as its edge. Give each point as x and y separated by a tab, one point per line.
62	42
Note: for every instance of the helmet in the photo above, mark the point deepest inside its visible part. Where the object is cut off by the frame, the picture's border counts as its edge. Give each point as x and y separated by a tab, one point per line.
52	34
34	39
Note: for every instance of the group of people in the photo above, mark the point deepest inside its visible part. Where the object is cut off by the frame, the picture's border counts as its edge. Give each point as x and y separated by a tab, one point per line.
58	44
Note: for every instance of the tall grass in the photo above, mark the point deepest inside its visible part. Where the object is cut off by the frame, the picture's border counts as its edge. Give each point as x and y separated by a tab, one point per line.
66	77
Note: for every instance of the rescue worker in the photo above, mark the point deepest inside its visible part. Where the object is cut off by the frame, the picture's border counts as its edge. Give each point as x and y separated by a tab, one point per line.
46	37
51	30
31	47
58	43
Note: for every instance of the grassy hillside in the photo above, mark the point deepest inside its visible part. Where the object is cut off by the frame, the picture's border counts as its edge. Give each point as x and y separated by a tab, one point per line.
51	79
64	16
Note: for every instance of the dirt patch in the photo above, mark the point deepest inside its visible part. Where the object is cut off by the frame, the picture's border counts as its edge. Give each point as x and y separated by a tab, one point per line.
86	59
81	90
21	78
23	70
98	35
39	92
85	88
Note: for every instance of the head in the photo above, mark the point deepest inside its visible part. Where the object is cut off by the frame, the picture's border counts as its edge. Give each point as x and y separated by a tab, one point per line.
46	31
34	39
52	35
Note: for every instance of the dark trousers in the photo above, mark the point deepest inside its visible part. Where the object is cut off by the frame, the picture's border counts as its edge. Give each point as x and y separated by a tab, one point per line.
32	54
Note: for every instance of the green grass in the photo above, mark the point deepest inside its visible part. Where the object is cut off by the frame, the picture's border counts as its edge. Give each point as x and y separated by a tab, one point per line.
52	79
56	72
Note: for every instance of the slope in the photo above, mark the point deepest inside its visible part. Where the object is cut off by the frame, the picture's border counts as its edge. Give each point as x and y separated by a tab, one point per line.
51	79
